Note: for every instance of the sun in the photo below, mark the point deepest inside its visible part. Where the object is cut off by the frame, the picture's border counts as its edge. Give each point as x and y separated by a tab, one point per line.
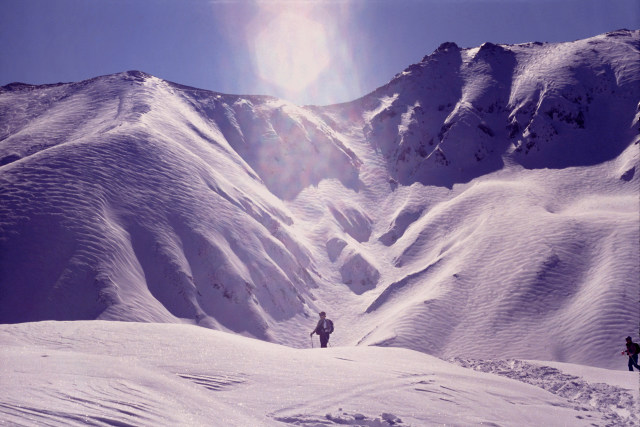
291	48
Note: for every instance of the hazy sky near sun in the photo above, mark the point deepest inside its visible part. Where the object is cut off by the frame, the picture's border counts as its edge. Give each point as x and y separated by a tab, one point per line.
309	52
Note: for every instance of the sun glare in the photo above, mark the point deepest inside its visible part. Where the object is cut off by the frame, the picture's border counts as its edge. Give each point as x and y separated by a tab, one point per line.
291	49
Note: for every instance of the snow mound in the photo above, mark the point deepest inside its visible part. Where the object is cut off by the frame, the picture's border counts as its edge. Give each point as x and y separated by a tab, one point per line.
359	273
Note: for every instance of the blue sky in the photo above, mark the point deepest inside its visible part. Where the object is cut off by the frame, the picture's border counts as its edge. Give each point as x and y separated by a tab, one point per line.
309	52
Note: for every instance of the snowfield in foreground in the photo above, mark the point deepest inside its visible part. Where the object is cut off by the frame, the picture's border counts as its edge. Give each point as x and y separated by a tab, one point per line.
111	373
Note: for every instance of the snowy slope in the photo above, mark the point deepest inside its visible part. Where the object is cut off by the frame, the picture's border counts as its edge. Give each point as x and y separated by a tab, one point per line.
483	204
112	373
144	213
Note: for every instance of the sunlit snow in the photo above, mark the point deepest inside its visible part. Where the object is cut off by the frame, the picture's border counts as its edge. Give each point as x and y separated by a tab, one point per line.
472	228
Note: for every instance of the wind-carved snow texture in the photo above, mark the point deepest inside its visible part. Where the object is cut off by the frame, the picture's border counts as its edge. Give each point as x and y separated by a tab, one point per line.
285	145
93	372
213	383
112	240
486	196
616	403
459	112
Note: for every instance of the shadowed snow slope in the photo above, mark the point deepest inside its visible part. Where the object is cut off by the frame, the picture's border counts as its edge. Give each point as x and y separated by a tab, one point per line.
482	204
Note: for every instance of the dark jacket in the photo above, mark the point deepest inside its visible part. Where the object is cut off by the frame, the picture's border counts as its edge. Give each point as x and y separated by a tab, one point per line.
632	348
321	329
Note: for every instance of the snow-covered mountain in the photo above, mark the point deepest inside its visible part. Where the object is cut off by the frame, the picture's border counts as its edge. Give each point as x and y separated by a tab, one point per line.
483	204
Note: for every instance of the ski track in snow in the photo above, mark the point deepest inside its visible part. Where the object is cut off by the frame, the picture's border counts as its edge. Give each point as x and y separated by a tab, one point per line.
620	406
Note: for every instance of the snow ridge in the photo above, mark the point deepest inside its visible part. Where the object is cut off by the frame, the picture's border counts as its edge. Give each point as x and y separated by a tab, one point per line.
461	113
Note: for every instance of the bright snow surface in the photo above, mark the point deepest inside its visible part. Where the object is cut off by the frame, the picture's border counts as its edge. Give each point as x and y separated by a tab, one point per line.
113	373
481	208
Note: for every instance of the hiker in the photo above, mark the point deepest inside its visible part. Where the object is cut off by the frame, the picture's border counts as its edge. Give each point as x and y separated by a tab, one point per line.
632	351
324	328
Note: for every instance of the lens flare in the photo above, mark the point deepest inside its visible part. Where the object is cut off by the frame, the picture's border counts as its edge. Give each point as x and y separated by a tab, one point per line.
291	51
302	51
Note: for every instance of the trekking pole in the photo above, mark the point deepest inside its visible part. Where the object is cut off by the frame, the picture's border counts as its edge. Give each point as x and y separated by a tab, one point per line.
311	336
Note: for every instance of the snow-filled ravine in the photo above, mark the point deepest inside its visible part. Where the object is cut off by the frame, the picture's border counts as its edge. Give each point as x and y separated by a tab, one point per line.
165	250
118	373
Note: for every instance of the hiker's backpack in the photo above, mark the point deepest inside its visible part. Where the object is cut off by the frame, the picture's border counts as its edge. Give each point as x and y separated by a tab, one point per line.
329	329
636	347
